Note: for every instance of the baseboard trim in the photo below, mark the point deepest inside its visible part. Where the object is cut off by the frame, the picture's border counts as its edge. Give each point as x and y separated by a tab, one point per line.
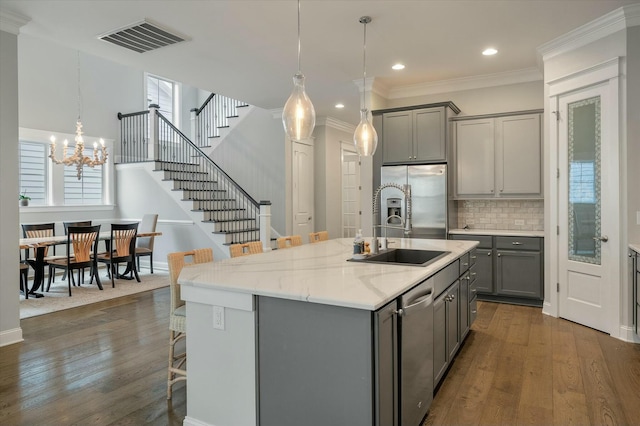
190	421
10	337
628	334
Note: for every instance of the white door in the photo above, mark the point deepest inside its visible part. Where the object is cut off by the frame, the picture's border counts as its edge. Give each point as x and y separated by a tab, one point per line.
350	192
302	186
588	206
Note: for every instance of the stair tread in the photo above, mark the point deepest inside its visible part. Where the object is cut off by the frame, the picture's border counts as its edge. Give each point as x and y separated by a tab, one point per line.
218	210
212	190
237	232
176	162
209	199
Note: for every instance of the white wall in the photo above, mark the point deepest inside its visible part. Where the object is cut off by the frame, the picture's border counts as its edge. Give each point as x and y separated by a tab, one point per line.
632	132
488	100
327	154
10	331
253	155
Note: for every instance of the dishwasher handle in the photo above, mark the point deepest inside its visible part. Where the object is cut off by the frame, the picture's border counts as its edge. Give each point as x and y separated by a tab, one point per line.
418	303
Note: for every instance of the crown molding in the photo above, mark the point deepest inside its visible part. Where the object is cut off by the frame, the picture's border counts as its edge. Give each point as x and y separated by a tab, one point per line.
466	83
334	123
612	22
12	22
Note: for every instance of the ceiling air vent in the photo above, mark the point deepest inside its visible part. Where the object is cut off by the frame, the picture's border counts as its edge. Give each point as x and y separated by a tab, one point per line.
142	37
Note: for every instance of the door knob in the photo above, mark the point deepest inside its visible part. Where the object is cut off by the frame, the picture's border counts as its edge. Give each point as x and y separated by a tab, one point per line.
603	238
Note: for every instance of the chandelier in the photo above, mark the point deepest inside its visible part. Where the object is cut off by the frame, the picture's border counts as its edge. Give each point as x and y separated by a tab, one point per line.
78	158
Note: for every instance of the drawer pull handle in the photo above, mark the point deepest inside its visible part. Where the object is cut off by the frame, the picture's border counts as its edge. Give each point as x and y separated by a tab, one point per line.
516	243
474	312
473	274
475	257
465	264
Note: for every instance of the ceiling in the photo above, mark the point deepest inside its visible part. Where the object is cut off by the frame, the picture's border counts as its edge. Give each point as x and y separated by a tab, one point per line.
247	49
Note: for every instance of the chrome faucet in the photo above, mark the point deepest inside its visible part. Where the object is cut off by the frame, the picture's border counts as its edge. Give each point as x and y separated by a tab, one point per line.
405	224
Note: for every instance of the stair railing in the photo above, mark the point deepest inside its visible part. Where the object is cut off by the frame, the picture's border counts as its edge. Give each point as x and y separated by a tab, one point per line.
213	115
149	136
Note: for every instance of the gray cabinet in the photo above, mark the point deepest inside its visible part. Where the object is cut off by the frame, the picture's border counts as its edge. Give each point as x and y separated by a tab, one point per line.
507	269
417	134
498	156
385	343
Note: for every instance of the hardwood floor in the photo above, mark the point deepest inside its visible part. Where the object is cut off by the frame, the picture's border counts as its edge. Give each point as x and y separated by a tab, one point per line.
107	363
521	367
95	365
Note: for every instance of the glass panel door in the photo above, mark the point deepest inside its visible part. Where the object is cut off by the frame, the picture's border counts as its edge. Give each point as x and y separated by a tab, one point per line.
584	135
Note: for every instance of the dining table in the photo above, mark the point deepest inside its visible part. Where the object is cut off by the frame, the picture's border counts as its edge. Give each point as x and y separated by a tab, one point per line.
39	244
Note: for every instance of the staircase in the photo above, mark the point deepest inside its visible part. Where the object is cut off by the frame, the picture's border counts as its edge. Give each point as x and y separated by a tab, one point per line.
208	194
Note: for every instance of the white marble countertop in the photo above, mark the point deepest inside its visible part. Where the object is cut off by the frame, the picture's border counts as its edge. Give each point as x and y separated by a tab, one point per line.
498	232
635	247
320	273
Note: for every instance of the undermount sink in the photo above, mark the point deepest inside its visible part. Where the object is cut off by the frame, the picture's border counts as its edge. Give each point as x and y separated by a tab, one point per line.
405	257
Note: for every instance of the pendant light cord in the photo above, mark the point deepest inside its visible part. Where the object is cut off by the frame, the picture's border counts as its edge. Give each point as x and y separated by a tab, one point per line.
299	37
79	96
364	68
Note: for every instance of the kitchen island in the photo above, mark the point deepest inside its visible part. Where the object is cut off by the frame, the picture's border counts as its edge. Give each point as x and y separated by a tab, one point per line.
305	317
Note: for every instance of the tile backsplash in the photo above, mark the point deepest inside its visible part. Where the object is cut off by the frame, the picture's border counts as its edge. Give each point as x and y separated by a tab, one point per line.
523	215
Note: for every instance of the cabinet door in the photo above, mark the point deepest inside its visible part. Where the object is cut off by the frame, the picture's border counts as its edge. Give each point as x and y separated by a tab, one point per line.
484	270
429	136
397	137
519	155
464	305
475	157
453	320
518	273
439	337
386	365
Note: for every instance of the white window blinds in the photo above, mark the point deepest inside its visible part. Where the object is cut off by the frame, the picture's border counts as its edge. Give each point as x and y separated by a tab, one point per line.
33	172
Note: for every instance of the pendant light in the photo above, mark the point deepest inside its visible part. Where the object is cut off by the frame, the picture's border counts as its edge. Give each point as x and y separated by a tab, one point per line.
298	115
365	137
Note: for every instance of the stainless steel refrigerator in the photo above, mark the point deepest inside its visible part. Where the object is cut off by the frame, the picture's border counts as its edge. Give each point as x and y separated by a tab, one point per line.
428	200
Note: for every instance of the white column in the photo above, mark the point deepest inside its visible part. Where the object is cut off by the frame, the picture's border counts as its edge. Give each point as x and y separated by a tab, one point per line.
265	224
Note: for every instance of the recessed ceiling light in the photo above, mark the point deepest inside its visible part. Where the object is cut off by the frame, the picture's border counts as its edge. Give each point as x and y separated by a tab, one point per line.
339	106
490	51
398	67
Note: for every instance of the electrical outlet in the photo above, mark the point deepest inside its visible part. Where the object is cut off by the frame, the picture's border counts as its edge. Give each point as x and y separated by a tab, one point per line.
519	221
218	317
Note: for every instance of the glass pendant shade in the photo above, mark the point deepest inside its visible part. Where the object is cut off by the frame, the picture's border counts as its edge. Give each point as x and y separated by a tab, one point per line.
298	115
365	137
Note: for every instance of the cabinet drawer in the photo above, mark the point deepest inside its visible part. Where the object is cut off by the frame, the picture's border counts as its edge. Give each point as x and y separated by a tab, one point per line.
519	243
473	310
473	289
465	262
486	241
473	255
446	277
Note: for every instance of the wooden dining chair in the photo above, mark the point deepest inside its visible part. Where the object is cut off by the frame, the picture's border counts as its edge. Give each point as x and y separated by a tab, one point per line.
315	237
144	245
24	279
66	227
245	249
178	313
289	241
121	248
82	244
40	230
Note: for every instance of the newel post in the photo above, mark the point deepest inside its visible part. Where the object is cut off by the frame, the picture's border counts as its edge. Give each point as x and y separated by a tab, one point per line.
153	132
194	127
265	224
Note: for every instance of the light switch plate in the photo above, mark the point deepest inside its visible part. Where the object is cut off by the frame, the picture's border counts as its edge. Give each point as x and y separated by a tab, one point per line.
218	317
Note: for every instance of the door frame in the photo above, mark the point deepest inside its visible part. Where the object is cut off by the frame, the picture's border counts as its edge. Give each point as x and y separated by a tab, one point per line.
606	72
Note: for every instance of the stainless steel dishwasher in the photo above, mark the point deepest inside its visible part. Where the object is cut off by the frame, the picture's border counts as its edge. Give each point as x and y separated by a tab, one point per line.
415	322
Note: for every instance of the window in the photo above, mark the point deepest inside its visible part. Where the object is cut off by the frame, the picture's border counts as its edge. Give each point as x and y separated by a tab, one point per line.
55	185
162	92
33	172
87	190
581	182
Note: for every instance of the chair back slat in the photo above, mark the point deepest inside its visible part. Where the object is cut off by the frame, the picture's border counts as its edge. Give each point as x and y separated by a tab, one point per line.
122	241
39	230
176	262
82	245
245	249
290	241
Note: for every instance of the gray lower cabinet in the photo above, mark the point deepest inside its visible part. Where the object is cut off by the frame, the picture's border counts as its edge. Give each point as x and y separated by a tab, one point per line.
306	348
508	269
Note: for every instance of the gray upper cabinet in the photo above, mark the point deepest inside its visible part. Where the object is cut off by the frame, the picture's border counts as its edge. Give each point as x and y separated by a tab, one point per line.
411	135
498	156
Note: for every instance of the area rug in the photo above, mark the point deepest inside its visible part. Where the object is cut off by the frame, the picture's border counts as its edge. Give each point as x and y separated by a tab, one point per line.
57	298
